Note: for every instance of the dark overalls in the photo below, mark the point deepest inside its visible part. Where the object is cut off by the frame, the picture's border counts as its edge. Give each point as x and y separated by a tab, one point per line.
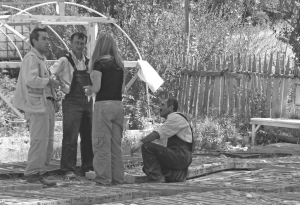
171	162
77	118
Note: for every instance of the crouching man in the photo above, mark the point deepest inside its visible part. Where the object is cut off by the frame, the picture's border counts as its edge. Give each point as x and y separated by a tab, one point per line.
168	164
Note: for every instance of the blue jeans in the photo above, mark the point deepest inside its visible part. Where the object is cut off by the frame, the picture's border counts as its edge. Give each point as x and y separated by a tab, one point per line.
77	119
107	137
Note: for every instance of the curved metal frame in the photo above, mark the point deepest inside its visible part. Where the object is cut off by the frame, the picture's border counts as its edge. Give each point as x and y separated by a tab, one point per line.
11	42
89	9
66	46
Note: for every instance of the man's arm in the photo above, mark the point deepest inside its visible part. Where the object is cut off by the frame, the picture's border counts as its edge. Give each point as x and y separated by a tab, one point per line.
151	137
63	74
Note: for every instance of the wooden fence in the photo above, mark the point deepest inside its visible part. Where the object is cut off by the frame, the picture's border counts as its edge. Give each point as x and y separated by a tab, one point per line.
249	86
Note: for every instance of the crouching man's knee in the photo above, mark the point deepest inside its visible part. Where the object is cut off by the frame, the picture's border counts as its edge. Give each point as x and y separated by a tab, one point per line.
147	146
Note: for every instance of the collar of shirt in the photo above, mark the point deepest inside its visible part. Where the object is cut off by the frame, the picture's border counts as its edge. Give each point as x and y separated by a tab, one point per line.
172	113
76	60
38	54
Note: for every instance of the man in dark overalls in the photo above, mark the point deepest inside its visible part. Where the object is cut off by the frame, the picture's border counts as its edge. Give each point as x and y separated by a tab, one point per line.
72	71
168	164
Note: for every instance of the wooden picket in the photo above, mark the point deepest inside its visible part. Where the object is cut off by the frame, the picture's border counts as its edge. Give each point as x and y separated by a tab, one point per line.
250	86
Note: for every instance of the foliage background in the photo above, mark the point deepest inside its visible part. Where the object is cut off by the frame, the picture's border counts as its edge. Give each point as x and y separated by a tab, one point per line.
218	27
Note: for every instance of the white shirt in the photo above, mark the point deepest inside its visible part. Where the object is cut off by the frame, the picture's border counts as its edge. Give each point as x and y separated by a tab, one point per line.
175	124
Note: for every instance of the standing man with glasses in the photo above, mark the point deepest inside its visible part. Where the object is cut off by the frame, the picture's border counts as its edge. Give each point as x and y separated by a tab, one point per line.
71	71
35	95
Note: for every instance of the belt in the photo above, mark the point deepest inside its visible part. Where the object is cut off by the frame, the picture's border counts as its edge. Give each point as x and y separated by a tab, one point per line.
50	98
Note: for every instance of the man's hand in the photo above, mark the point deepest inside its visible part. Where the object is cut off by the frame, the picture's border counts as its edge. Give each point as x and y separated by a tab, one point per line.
87	90
53	83
136	146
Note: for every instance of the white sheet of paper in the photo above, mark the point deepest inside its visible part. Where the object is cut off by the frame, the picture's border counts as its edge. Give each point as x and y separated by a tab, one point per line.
147	74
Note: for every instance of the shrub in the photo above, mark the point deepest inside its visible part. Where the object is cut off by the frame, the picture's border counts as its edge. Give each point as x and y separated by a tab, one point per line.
218	133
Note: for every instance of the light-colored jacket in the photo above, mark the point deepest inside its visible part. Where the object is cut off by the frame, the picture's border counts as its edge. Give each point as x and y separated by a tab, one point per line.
32	81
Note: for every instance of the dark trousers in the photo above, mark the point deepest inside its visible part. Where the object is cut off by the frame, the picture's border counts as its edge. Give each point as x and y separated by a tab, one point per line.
169	162
77	119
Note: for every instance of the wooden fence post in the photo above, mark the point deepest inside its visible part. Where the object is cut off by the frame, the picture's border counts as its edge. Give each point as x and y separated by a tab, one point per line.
269	86
275	95
248	88
285	90
217	88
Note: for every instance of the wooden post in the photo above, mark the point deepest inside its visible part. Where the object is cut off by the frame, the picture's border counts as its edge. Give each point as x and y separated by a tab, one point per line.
92	30
11	106
60	7
253	141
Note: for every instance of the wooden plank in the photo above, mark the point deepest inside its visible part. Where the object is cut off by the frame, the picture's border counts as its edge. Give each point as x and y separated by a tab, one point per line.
60	7
11	64
130	83
277	122
223	105
218	73
14	31
187	88
201	94
248	93
23	2
196	97
253	88
275	95
269	88
285	90
11	106
92	31
243	89
206	91
217	89
237	89
259	88
181	99
230	83
184	84
264	87
212	84
66	19
193	85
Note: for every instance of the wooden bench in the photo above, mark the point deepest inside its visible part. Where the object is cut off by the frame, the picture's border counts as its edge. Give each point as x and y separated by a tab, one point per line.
276	122
282	122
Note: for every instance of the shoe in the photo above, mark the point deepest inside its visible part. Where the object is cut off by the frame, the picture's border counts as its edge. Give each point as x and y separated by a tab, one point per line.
39	179
48	183
82	172
70	175
161	180
177	176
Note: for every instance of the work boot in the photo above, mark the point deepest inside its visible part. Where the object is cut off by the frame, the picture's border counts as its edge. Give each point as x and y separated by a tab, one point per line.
39	179
176	176
81	172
